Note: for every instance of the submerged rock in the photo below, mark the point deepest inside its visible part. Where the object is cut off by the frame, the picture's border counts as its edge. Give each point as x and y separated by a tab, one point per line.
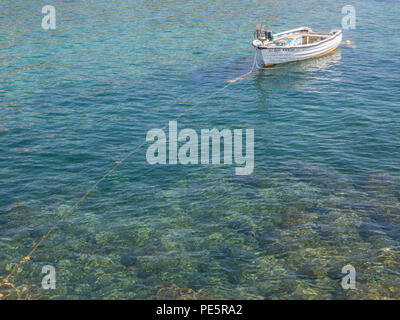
172	292
221	253
129	260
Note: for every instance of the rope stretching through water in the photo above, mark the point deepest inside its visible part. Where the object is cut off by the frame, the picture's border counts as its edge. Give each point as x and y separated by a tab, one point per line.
6	280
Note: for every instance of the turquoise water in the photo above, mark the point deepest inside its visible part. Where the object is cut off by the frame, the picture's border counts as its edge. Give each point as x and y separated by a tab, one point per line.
325	191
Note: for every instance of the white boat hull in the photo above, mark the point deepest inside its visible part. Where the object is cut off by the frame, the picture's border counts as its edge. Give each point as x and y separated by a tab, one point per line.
275	55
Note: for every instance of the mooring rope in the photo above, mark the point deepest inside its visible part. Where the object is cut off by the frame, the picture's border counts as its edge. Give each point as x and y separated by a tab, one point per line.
6	280
247	73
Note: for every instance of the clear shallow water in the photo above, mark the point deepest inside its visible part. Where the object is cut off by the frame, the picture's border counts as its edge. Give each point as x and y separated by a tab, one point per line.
325	191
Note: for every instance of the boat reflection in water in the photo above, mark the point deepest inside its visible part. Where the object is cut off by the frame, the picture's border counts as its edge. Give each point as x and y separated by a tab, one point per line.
299	75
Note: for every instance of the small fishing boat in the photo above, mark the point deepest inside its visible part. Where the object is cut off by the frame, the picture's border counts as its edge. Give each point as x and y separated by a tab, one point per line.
294	45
